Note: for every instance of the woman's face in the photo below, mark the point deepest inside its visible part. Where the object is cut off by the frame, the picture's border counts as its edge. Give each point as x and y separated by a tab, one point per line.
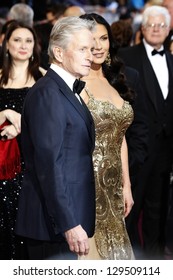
20	45
101	44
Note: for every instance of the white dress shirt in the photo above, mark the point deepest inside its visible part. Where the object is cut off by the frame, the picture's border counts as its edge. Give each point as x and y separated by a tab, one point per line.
160	68
66	76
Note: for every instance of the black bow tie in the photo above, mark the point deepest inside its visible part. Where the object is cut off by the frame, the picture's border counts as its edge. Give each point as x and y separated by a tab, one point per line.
158	52
78	86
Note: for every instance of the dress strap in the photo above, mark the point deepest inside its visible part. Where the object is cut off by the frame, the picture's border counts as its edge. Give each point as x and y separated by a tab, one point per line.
88	92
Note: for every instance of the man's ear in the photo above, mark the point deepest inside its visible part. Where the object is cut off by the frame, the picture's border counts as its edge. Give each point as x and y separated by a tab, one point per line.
58	54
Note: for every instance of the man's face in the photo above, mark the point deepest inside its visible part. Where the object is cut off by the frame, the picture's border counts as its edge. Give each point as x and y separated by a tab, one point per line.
155	31
169	5
77	58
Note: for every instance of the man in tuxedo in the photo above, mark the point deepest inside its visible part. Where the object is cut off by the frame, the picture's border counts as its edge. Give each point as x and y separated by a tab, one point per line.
56	210
155	67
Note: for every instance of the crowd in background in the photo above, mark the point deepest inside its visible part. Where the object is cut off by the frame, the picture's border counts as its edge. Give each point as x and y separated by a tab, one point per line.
129	12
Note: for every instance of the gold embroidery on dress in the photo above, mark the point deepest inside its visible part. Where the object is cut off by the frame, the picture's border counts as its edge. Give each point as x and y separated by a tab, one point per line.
111	237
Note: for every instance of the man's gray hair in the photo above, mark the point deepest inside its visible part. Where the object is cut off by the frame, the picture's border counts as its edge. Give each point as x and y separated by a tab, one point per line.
156	11
22	13
63	31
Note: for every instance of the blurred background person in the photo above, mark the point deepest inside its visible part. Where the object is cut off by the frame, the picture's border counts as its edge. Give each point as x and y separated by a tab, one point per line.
19	70
169	230
55	12
155	67
43	29
171	45
22	13
122	32
169	5
74	11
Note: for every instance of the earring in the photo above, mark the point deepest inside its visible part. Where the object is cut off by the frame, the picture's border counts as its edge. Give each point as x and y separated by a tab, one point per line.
108	59
32	58
7	55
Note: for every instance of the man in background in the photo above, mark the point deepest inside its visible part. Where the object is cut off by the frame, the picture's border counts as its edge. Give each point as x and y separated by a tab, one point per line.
155	67
22	13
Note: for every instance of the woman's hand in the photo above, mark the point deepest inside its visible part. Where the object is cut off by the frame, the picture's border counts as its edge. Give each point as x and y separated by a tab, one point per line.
128	200
13	117
14	128
8	132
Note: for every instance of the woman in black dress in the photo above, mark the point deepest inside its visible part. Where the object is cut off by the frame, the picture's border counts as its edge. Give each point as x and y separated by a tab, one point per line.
19	70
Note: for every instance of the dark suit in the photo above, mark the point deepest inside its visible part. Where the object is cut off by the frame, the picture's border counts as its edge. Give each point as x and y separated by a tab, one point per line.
137	133
137	141
153	185
58	191
168	40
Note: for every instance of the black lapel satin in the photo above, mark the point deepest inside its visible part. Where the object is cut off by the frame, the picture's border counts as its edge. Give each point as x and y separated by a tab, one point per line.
150	78
82	109
91	120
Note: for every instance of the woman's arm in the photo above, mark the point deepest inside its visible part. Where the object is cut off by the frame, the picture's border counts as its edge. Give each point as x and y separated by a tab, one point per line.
12	129
128	199
2	117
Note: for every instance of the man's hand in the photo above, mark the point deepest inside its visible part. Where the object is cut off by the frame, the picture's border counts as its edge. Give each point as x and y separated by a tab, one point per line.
77	240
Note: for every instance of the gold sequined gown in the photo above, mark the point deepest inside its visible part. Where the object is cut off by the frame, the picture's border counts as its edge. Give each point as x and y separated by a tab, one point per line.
111	240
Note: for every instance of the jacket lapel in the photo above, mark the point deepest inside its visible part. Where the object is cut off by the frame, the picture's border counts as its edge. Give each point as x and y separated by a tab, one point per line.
150	78
81	108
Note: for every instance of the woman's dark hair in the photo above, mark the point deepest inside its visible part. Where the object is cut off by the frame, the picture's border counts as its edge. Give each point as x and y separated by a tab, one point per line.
114	71
122	32
6	60
6	25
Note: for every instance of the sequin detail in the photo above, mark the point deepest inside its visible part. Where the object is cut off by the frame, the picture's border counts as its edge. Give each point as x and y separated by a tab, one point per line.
10	245
111	237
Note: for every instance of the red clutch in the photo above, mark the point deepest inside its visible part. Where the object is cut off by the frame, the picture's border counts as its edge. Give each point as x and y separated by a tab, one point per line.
10	162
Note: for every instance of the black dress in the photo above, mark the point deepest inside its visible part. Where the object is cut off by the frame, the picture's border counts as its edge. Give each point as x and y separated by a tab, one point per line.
11	247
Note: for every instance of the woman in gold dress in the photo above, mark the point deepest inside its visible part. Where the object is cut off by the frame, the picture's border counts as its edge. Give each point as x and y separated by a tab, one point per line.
108	99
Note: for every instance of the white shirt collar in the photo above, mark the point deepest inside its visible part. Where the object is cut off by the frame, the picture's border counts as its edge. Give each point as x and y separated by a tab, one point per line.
160	68
149	48
66	76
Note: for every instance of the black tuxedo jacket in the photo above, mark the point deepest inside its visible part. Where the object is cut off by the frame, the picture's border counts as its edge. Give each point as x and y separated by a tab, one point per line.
137	133
58	191
160	116
168	40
